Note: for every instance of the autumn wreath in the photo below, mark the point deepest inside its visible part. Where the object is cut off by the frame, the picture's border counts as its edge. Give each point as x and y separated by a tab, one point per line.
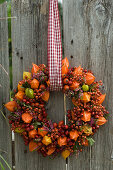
29	117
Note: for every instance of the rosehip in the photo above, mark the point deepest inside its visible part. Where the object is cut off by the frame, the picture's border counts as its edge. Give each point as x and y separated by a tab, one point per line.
28	129
54	125
66	126
31	127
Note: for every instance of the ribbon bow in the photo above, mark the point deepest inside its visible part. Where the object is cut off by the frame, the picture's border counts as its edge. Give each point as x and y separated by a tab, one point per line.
54	47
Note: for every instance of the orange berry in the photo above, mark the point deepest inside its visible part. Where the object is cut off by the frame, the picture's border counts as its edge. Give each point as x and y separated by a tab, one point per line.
66	81
66	87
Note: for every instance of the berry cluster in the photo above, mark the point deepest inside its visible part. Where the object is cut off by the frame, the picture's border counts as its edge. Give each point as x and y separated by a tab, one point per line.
29	117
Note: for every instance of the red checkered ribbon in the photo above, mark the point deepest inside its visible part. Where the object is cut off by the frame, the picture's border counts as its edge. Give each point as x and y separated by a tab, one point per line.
54	47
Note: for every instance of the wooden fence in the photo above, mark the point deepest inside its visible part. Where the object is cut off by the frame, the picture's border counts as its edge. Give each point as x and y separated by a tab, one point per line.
88	40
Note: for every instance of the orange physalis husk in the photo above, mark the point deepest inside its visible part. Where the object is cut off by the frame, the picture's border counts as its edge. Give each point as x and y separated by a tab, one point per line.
35	68
86	97
48	83
65	62
45	96
33	146
26	75
101	121
74	85
32	133
46	140
27	118
42	131
64	71
74	134
34	84
20	88
86	116
19	95
62	141
78	71
65	154
74	101
87	129
65	65
101	98
51	150
11	106
89	78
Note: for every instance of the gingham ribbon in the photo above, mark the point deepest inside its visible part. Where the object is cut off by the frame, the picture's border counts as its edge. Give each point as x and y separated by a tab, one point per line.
54	47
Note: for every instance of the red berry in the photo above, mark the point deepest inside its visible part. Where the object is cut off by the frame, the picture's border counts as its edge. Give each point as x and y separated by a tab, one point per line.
28	129
31	127
67	132
70	82
66	126
54	125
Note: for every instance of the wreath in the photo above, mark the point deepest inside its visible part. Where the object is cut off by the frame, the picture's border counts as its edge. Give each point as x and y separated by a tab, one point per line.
29	117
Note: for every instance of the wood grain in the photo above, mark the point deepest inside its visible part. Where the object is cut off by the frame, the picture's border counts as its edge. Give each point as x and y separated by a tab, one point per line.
5	134
88	40
29	43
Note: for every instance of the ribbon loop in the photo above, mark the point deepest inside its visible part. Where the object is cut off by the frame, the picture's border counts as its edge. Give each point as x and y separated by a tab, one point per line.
54	47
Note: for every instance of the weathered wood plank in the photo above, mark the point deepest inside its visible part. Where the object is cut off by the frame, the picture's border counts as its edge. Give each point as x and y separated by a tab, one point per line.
5	134
75	48
89	24
29	43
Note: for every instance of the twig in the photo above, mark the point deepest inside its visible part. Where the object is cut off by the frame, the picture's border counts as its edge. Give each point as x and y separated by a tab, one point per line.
4	18
4	117
2	167
5	162
65	111
4	69
3	151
